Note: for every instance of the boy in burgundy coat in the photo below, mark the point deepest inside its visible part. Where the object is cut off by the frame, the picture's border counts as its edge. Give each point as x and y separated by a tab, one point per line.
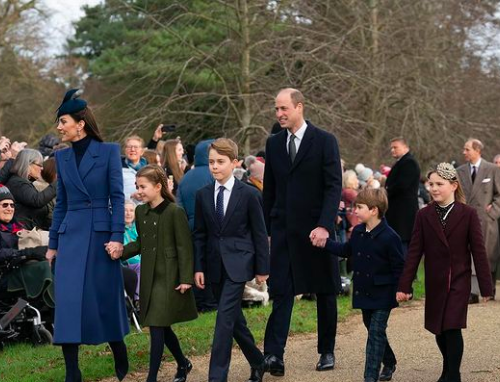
448	232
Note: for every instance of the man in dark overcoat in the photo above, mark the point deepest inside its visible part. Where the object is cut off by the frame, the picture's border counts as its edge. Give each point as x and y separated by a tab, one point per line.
302	186
402	191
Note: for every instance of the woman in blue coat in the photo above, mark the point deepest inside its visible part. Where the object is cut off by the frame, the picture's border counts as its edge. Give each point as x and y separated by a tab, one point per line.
89	212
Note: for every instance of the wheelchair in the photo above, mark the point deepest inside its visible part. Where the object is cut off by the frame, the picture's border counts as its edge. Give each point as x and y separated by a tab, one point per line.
22	319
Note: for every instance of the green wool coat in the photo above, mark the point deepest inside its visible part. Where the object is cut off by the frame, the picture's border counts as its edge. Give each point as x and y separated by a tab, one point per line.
164	242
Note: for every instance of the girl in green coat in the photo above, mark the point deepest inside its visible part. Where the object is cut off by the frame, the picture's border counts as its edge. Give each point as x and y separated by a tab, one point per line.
164	242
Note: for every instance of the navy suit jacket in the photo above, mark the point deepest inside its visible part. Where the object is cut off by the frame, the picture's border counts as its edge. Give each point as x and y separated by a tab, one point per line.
240	244
377	262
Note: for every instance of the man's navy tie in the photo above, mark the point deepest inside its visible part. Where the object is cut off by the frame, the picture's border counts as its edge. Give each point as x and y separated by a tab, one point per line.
219	207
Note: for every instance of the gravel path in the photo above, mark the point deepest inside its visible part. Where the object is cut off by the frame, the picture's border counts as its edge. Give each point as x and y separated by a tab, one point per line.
418	356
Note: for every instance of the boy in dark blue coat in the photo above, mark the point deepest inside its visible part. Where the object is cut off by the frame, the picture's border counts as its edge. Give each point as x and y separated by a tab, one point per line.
377	259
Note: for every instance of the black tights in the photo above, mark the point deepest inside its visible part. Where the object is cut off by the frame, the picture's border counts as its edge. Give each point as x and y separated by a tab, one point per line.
73	374
161	336
451	345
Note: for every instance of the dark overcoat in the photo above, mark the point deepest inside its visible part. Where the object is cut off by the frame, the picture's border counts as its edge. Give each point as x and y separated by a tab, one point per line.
240	243
164	242
32	206
298	198
89	212
447	264
377	262
402	192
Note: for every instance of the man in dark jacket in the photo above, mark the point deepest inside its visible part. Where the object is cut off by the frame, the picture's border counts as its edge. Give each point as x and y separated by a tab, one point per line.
402	191
302	186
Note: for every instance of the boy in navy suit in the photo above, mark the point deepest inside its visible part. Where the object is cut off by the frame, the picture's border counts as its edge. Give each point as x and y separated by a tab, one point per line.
231	248
377	261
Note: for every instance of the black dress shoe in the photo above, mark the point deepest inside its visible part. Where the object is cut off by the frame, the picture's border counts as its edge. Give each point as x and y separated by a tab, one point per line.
370	379
326	362
274	366
257	374
387	372
183	371
473	299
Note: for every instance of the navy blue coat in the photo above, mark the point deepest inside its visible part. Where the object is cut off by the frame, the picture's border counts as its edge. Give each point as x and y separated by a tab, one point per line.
241	242
196	178
298	198
89	212
377	263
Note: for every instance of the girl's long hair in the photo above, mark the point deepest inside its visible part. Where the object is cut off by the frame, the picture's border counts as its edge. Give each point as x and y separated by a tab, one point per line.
459	192
170	159
156	175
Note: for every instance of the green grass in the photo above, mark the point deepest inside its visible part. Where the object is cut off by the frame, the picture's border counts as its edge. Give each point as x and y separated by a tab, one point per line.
25	363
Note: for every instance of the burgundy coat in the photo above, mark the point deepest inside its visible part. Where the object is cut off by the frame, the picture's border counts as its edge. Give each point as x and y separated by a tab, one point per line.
447	264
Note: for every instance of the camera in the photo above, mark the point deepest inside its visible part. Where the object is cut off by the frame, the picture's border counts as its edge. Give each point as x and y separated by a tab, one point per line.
168	128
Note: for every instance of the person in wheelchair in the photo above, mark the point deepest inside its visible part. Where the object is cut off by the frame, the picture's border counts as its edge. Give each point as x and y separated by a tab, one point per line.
23	273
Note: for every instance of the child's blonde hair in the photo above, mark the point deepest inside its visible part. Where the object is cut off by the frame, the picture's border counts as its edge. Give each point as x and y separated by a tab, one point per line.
226	147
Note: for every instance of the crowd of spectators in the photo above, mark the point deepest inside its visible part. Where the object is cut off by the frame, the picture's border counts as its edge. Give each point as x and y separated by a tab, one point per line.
29	177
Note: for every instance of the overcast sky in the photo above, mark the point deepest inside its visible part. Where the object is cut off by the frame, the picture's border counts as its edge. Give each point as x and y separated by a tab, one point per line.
63	14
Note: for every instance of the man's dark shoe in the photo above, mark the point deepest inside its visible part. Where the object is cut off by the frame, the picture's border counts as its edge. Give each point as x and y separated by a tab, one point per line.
257	374
274	366
326	362
473	299
370	379
183	371
387	372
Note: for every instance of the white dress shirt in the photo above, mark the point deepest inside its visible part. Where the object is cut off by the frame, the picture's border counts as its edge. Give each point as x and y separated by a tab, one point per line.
477	164
227	192
298	136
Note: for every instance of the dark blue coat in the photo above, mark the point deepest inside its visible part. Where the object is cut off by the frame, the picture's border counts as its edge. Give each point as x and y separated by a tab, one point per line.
240	243
89	212
193	180
377	263
298	198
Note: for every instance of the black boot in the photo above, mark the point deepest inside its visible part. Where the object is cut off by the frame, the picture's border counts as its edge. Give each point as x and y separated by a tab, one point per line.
183	371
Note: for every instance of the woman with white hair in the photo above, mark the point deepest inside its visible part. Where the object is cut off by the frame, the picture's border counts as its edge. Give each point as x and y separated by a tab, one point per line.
32	206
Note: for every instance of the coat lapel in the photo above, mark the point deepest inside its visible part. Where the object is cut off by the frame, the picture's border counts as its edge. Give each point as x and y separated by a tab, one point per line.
89	159
72	172
209	197
282	151
480	175
454	218
433	219
306	143
233	202
466	180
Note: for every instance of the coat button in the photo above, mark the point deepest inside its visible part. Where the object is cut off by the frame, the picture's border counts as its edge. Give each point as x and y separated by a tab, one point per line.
357	273
154	248
144	221
368	256
359	253
356	293
367	275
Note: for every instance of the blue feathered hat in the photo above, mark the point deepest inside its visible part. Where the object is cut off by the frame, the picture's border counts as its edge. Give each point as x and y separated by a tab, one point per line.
71	103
